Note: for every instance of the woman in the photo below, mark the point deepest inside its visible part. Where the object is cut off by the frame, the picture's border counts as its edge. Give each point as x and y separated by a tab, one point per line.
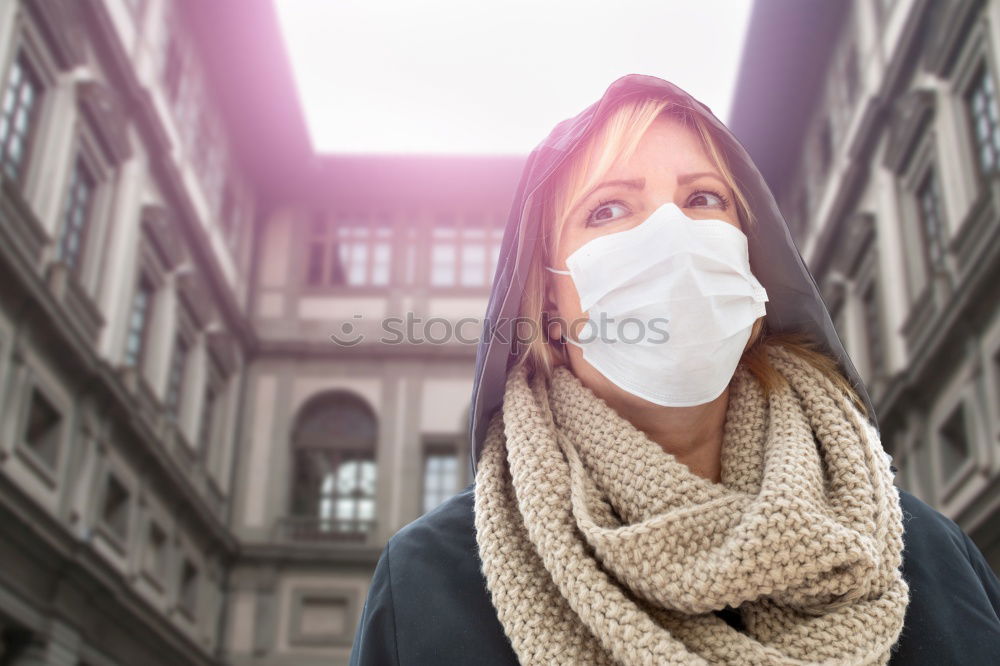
676	461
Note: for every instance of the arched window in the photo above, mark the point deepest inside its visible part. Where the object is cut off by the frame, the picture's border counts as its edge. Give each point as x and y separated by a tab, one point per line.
333	482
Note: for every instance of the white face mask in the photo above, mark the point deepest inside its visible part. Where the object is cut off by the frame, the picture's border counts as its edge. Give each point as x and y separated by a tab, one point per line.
671	304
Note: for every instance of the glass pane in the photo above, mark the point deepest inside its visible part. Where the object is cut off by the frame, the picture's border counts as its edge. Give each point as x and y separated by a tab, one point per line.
347	478
443	265
473	263
9	99
367	480
21	121
346	508
366	509
358	262
326	508
380	264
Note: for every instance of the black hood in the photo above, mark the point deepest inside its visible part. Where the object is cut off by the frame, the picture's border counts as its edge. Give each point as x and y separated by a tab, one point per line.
794	302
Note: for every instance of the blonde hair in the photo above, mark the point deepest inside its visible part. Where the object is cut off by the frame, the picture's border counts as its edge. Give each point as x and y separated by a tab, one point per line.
617	140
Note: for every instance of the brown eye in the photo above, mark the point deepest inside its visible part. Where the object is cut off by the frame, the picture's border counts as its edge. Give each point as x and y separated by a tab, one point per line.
720	199
603	213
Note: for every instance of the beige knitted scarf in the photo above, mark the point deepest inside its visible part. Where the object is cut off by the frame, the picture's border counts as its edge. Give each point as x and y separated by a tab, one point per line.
600	548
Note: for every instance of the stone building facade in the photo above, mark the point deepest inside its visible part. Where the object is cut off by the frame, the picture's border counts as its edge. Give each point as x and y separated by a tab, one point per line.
191	470
194	471
878	127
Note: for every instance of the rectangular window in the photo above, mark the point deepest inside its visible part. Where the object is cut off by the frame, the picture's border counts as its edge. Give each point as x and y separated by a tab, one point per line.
381	254
18	117
187	594
465	256
474	258
76	215
440	475
954	442
363	256
178	365
138	322
349	496
981	102
43	434
348	254
155	559
115	508
444	252
931	220
352	255
207	418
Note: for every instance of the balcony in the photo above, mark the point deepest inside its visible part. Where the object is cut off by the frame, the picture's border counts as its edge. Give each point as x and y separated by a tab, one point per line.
314	529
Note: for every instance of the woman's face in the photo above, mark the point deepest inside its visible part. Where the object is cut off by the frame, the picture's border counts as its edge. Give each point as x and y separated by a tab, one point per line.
669	165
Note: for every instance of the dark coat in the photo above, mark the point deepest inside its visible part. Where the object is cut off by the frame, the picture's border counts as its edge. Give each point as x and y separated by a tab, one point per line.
428	602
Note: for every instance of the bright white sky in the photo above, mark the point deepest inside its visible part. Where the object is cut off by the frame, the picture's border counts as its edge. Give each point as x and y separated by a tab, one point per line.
479	76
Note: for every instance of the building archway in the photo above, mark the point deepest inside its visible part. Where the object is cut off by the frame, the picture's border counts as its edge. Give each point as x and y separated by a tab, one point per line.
333	466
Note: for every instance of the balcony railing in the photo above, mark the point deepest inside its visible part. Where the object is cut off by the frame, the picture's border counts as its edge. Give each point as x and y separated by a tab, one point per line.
326	530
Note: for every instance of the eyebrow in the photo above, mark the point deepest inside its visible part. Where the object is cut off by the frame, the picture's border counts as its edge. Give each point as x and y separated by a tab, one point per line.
639	183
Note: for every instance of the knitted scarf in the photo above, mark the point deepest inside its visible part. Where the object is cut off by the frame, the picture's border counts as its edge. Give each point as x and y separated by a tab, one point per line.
600	548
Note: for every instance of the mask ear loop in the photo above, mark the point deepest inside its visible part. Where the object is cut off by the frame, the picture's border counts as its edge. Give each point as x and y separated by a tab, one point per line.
562	336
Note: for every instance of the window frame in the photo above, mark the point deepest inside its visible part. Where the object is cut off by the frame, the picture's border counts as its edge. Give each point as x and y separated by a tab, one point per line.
976	50
188	608
462	221
929	176
119	539
47	471
86	150
28	38
336	453
959	393
184	330
922	281
435	445
322	229
26	163
979	69
214	383
142	352
158	253
155	578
